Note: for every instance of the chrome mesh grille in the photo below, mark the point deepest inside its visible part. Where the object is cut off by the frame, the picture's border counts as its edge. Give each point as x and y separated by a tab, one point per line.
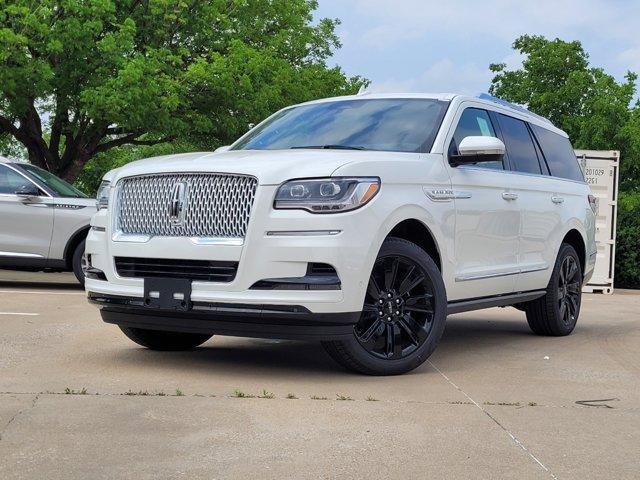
217	205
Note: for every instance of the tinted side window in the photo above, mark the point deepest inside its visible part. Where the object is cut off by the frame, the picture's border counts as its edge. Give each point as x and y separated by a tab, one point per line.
520	148
10	181
559	154
474	122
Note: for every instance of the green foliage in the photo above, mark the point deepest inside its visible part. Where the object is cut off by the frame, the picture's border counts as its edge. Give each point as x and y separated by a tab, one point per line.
92	173
556	81
107	73
628	241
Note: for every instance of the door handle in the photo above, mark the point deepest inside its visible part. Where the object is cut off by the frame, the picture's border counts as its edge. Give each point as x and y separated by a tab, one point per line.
557	199
509	195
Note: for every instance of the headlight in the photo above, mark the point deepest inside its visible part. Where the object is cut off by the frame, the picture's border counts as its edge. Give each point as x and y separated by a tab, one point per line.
102	197
326	195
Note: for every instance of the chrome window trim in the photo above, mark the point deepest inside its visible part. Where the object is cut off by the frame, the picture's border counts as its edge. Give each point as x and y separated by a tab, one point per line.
515	172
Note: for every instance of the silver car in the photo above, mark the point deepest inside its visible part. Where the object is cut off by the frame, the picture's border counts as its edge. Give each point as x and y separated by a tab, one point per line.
43	220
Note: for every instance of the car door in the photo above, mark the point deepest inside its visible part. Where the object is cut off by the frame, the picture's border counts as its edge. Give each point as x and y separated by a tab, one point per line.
487	222
535	193
26	224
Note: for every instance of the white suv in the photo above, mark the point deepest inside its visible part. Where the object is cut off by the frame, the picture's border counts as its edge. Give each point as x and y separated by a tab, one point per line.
359	221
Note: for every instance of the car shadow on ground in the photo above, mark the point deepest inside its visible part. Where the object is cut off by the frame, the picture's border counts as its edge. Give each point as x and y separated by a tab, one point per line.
240	356
14	279
10	284
245	356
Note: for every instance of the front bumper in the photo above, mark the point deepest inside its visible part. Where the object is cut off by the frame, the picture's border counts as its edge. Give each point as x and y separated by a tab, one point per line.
258	321
279	244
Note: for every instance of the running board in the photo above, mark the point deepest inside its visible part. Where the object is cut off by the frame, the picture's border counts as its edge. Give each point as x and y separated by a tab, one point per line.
508	299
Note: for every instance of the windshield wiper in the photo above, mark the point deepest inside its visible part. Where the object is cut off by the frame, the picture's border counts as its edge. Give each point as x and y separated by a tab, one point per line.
332	147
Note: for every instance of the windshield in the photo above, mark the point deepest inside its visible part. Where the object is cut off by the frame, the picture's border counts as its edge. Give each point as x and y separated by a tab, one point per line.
396	125
59	186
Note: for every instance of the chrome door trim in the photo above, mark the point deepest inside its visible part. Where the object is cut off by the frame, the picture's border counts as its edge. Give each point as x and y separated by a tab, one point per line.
21	255
480	276
534	268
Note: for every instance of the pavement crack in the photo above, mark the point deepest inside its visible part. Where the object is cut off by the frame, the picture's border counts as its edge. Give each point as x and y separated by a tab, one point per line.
505	429
17	414
597	403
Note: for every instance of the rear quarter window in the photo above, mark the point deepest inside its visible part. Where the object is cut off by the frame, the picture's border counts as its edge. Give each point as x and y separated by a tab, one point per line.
559	154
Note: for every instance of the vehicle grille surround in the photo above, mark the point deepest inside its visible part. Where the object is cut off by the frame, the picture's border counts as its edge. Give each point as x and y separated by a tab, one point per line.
216	205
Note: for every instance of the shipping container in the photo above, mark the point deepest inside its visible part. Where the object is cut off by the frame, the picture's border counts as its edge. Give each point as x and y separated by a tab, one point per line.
601	173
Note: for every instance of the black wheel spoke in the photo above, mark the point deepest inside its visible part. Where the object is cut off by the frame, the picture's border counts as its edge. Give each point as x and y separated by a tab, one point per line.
573	287
416	332
372	289
390	273
404	289
572	269
573	305
370	333
405	281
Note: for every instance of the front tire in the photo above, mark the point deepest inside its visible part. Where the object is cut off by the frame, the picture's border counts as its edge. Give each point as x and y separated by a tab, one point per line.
403	315
77	261
165	341
556	314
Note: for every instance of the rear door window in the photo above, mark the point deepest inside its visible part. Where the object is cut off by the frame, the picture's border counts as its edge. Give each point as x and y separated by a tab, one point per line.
559	154
474	122
520	148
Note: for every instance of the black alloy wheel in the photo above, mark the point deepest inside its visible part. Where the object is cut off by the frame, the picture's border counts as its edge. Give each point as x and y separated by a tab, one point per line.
403	316
569	285
556	313
398	309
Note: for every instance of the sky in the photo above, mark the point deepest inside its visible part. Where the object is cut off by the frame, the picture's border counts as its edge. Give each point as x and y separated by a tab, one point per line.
447	45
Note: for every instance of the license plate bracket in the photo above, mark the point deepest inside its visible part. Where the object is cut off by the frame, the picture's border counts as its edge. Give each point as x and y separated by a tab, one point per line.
167	293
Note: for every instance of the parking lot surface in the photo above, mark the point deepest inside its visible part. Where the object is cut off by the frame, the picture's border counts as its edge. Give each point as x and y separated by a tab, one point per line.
79	400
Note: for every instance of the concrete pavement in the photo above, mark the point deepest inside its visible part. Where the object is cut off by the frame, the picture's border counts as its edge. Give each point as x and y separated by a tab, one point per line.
79	400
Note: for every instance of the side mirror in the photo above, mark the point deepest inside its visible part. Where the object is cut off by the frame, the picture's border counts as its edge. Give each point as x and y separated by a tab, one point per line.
28	191
478	149
224	148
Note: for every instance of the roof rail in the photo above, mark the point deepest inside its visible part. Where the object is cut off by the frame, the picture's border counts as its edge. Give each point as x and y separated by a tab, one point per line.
513	106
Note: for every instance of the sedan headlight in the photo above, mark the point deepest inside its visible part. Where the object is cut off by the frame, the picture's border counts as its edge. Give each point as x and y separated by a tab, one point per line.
102	197
326	195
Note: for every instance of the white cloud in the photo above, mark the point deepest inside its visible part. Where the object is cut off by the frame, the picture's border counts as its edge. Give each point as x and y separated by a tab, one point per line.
503	19
630	59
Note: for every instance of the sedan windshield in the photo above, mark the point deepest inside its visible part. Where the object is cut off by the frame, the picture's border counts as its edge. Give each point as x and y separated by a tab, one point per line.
395	125
59	186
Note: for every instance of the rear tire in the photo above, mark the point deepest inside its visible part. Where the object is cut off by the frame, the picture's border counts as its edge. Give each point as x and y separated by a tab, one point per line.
403	315
77	261
557	312
165	341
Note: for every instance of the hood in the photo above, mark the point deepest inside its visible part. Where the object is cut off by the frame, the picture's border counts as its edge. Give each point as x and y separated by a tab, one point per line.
270	167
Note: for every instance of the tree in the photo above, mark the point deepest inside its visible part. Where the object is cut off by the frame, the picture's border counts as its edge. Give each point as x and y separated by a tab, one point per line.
557	82
80	77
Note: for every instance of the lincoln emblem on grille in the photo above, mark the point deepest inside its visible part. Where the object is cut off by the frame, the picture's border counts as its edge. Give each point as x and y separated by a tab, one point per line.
178	203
